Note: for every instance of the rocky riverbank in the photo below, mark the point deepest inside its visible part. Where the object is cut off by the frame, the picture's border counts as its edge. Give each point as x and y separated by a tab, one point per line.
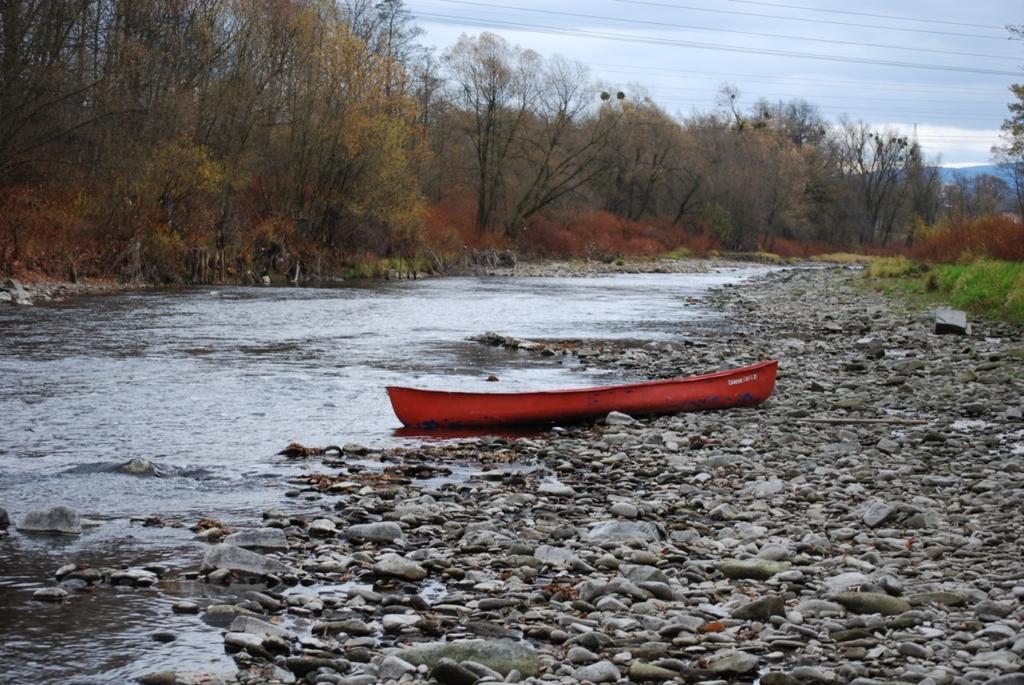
13	291
588	268
862	526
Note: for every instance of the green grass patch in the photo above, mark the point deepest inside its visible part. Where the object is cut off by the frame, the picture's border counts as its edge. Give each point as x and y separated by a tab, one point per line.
679	253
985	286
894	267
758	257
990	287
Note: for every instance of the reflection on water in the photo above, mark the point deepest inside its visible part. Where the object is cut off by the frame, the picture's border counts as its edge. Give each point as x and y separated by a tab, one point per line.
209	385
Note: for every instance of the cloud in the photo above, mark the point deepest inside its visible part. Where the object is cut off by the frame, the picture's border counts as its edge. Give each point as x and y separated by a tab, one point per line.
958	146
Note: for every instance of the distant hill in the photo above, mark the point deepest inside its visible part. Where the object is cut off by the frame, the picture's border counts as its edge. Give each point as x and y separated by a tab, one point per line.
950	174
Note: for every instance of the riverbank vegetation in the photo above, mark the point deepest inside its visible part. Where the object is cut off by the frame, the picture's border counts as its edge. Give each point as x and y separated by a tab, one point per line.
983	286
213	141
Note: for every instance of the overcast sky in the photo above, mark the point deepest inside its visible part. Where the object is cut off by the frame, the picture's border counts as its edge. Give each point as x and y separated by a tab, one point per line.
943	66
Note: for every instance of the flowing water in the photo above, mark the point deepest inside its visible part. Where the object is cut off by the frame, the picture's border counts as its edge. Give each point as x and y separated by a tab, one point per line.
209	385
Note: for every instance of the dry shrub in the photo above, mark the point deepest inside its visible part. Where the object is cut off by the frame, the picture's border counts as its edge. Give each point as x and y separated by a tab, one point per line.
788	248
997	236
43	233
449	230
602	235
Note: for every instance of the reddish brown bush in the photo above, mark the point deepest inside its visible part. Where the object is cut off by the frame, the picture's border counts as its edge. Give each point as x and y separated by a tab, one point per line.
602	235
998	236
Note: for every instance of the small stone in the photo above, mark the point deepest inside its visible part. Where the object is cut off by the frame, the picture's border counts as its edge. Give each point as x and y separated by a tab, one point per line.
397	566
732	662
581	655
393	668
757	569
253	644
877	513
185	608
50	594
259	538
237	559
555	488
259	627
951	321
994	609
601	672
385	531
949	599
624	510
888	446
625	530
504	656
641	672
617	418
761	609
449	672
872	603
323	528
915	650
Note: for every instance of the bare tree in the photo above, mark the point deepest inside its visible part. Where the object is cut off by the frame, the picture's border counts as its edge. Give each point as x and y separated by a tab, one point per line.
495	85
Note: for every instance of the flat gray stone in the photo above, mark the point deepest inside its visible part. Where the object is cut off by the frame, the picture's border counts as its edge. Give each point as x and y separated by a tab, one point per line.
761	609
385	531
54	520
501	655
642	673
50	594
255	626
872	603
601	672
556	556
617	418
951	321
876	513
731	662
237	559
555	488
397	566
625	530
259	538
757	569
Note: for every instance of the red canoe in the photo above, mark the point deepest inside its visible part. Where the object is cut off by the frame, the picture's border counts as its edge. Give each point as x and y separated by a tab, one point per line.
742	387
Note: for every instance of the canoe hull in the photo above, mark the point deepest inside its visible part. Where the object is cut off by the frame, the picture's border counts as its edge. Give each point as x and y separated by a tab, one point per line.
741	387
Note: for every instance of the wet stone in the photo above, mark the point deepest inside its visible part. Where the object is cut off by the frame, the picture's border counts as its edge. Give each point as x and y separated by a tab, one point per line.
58	519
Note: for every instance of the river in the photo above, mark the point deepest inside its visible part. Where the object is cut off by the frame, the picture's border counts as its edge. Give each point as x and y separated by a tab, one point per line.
208	384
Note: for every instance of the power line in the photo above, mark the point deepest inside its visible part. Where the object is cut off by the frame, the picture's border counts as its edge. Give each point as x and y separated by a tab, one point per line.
454	20
949	116
738	32
810	21
792	96
869	14
873	85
